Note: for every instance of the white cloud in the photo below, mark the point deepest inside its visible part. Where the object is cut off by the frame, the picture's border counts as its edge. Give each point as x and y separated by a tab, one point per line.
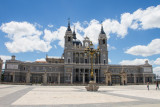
148	18
151	49
38	25
157	61
59	34
111	47
4	58
41	59
24	37
134	62
54	57
50	25
55	35
93	30
140	19
156	70
109	60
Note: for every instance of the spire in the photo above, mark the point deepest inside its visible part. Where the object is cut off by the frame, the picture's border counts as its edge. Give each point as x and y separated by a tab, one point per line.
74	34
68	29
102	31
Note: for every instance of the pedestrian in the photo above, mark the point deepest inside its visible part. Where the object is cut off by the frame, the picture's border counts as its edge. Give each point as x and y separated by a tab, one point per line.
148	85
157	86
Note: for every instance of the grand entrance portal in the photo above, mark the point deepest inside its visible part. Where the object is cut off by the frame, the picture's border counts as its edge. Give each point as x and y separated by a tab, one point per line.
116	79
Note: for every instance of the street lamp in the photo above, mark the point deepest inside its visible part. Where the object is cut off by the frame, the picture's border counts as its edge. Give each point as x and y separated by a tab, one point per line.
92	52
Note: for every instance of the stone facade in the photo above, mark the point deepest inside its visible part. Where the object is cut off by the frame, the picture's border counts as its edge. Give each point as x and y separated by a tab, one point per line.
74	66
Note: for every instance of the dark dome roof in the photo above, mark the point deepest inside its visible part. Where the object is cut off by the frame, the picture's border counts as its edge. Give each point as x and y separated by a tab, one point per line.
77	42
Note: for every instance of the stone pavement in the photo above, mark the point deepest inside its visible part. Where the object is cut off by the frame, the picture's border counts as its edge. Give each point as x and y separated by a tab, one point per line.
77	96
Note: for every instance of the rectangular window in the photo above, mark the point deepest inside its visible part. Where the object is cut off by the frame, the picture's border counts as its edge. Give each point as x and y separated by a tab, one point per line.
104	41
85	60
104	61
69	38
69	60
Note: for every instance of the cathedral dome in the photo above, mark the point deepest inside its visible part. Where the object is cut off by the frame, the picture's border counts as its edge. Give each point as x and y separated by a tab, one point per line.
77	42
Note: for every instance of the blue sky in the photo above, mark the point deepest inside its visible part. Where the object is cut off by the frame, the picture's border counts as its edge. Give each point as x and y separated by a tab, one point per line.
30	29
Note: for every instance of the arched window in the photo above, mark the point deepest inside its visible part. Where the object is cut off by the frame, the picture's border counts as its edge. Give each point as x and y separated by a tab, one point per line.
104	41
69	60
69	39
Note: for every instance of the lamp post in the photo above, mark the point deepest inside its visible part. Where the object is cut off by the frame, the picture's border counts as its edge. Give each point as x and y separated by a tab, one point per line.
92	52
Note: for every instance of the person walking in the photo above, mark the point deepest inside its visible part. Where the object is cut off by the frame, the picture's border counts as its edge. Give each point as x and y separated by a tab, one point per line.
157	85
148	85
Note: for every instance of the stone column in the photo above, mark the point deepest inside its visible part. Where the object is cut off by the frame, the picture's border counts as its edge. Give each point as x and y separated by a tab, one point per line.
98	59
28	77
45	78
71	78
152	79
134	78
83	77
125	79
79	74
59	78
79	58
95	77
13	76
122	80
0	74
89	74
98	75
143	79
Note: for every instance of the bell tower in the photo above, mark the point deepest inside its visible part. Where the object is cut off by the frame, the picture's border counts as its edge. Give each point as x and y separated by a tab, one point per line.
102	42
68	37
68	44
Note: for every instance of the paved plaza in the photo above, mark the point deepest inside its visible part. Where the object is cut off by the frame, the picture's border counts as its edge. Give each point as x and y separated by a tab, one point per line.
77	96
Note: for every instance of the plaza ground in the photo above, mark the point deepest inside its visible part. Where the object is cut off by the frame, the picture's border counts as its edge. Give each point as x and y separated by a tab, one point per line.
77	96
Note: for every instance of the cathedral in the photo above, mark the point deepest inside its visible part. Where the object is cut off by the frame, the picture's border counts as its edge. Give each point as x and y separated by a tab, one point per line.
74	67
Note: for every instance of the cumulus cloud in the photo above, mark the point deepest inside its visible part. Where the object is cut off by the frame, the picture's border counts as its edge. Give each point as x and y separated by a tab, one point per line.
41	59
151	49
4	58
50	26
156	70
140	19
111	47
134	62
55	35
24	37
157	61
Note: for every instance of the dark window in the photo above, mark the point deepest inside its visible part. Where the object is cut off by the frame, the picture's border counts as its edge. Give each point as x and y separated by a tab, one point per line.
68	60
104	61
104	41
24	68
69	38
85	60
